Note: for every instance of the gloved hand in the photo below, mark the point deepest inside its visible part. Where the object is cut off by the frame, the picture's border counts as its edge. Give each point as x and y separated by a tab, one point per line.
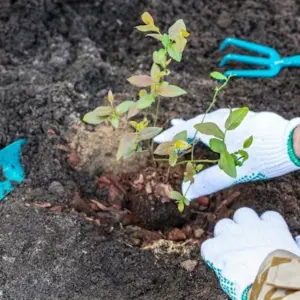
240	246
270	155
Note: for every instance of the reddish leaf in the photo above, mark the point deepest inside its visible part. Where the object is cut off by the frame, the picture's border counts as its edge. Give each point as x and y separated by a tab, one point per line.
170	91
141	80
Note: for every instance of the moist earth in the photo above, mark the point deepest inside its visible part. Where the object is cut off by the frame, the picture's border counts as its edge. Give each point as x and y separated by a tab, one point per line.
58	59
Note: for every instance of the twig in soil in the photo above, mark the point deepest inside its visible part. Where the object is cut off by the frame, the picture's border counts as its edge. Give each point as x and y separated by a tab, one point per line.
168	175
116	184
99	205
227	202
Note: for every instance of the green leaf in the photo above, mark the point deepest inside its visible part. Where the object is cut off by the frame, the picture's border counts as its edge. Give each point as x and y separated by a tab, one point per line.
218	76
103	111
147	18
165	40
237	162
127	144
199	167
176	196
180	206
170	91
124	106
186	201
110	97
173	158
149	133
217	146
145	101
133	111
156	36
243	154
147	28
155	69
190	172
139	126
128	154
180	43
141	80
210	128
176	29
114	121
248	142
235	118
181	136
142	93
174	52
93	119
189	168
182	145
226	163
159	57
164	148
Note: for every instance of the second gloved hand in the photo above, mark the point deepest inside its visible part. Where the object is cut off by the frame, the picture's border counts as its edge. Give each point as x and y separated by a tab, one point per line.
270	155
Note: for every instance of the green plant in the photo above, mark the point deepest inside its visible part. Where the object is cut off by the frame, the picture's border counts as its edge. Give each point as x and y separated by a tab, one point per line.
153	87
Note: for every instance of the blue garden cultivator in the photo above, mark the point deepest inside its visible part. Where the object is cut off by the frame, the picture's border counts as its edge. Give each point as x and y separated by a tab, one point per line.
272	61
12	170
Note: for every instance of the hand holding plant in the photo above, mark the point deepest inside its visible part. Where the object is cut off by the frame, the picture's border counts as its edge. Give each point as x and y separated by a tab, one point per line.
154	88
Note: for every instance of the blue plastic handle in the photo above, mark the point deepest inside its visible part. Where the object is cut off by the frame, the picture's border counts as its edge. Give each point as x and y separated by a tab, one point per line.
12	170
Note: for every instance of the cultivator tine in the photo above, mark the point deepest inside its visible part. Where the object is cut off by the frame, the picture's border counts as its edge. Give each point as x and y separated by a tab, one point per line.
246	59
272	62
252	73
261	49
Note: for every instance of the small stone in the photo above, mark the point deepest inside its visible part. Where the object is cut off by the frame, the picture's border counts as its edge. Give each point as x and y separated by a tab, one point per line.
140	180
56	188
176	235
224	20
198	233
130	219
163	190
187	230
211	217
153	175
148	188
73	159
202	201
135	241
189	265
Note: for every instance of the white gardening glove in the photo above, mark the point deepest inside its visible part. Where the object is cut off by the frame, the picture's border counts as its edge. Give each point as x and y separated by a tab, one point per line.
270	155
241	245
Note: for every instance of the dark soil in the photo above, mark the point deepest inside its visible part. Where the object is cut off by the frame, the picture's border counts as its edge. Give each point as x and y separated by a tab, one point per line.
58	58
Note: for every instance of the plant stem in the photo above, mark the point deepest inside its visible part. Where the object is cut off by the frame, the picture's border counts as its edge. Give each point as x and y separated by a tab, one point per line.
157	111
155	121
204	161
187	190
217	90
